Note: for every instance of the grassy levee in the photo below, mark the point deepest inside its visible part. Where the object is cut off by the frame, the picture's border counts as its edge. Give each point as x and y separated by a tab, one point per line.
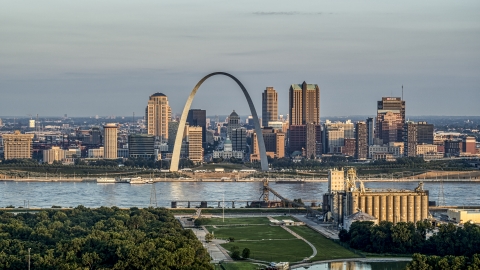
234	221
254	232
326	248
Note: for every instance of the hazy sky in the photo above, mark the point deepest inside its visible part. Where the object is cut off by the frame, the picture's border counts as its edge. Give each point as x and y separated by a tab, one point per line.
87	58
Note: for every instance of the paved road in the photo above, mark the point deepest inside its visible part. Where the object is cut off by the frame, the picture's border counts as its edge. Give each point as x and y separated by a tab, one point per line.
305	240
217	252
321	228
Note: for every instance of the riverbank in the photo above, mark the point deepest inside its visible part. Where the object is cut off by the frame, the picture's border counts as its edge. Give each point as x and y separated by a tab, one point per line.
277	181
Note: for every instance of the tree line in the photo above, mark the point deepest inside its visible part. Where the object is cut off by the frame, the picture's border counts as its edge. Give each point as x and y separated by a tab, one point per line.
103	238
448	245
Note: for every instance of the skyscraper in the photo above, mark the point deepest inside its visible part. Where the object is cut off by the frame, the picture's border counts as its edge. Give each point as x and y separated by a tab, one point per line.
233	123
424	133
390	119
304	104
198	117
239	139
110	141
141	145
370	130
361	140
410	140
157	115
304	109
195	149
269	106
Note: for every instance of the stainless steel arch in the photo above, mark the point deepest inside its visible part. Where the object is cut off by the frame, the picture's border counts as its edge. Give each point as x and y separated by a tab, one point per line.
181	127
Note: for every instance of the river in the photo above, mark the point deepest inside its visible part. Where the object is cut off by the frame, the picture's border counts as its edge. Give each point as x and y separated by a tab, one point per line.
71	194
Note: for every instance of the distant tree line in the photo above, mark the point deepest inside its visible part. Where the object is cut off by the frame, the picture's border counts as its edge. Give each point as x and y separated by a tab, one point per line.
103	238
447	244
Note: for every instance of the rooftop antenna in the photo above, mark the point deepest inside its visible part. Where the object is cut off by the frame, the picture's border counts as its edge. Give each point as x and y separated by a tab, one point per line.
402	91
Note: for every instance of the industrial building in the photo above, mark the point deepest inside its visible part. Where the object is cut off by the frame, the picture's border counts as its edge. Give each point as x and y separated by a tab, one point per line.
344	198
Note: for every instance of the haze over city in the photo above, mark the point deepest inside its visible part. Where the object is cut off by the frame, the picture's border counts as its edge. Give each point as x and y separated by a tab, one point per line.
89	58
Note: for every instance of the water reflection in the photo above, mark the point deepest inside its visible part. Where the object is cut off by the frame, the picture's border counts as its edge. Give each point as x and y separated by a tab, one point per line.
351	265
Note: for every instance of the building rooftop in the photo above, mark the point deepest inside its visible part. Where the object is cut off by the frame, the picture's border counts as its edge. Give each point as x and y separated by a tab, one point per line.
299	86
361	216
158	95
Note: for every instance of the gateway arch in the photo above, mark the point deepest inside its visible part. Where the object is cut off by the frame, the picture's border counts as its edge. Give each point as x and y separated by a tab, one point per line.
181	127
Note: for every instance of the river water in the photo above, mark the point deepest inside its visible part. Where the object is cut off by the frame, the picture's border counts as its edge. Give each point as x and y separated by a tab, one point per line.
350	265
71	194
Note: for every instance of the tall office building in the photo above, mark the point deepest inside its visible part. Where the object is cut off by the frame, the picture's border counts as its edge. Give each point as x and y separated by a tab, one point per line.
424	133
233	123
17	145
198	117
410	139
157	115
304	109
361	140
274	144
172	134
370	130
390	119
304	104
110	141
141	145
239	139
195	149
269	105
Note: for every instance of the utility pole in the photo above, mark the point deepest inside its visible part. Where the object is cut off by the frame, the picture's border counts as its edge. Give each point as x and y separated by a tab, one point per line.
223	210
29	258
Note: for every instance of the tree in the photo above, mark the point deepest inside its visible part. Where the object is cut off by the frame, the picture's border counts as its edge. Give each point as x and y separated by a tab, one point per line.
208	237
235	252
246	253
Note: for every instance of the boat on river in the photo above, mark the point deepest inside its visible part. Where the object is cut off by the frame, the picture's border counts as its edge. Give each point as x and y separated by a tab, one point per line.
106	180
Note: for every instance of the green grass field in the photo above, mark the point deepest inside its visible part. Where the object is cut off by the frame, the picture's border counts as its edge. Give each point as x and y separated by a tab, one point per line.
275	250
326	248
261	232
229	221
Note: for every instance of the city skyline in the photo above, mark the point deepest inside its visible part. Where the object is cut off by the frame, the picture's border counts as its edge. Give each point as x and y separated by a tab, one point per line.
72	58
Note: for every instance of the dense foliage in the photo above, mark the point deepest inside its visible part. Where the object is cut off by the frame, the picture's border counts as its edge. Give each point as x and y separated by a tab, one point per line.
455	245
103	238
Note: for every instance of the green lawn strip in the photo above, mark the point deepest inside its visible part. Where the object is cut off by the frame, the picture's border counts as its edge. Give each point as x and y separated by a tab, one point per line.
229	221
240	266
276	211
275	250
250	232
326	248
281	218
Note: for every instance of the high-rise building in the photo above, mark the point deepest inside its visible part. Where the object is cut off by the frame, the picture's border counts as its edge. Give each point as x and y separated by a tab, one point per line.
141	145
304	108
239	139
233	123
53	154
370	130
157	115
172	134
410	139
17	145
424	133
304	104
361	140
274	144
269	105
195	149
390	119
469	145
198	117
110	140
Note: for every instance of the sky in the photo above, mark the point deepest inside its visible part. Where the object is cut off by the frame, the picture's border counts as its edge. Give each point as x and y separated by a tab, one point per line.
87	58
